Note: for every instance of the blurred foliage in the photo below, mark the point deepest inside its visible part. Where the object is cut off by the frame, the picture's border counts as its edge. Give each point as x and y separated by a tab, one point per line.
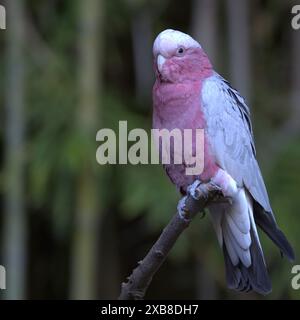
283	182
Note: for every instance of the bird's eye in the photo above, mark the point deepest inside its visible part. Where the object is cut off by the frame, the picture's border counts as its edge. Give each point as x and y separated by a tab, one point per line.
180	51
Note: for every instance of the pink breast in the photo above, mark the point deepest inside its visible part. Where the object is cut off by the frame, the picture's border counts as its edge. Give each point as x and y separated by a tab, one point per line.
179	106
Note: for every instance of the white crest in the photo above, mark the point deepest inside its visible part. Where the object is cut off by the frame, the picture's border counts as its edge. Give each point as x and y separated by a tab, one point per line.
169	40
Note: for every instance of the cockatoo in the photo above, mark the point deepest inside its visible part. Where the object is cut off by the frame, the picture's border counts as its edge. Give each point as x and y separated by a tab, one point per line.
189	94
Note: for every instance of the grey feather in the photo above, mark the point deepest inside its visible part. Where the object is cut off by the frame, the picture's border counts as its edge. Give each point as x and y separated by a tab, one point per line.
243	239
227	221
230	246
254	277
230	135
243	254
246	277
239	212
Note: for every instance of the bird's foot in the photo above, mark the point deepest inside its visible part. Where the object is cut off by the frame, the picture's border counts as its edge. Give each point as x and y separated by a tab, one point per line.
193	189
198	190
219	196
182	209
226	184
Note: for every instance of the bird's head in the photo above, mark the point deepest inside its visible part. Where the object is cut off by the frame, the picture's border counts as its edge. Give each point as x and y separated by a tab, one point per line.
179	58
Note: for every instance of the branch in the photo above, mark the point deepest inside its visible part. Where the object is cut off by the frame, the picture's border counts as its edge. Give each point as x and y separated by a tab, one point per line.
138	282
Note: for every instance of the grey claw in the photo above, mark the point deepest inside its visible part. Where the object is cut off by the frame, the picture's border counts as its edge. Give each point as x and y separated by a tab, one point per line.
217	187
193	191
220	197
181	209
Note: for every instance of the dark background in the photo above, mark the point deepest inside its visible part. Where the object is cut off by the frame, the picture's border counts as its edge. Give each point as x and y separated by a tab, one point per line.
71	228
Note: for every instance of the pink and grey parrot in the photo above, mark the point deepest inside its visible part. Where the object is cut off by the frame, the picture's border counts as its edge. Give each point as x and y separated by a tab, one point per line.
189	94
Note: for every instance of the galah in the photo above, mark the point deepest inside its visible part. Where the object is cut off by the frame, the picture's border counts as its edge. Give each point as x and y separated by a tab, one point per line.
189	94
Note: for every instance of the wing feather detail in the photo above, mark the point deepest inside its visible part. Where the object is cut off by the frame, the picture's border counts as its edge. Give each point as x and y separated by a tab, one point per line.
230	136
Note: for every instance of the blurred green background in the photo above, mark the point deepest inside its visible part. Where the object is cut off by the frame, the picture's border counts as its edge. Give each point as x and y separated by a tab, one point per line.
71	228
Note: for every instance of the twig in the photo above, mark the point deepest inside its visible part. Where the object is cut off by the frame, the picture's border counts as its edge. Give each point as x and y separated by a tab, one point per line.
138	282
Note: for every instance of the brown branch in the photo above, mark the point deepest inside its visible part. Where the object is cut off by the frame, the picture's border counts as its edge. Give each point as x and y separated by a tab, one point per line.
138	282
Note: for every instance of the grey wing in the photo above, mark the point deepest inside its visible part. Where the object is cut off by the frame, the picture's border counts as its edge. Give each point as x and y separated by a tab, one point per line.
230	135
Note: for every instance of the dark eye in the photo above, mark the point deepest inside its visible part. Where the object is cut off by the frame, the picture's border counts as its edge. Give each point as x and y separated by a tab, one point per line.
180	51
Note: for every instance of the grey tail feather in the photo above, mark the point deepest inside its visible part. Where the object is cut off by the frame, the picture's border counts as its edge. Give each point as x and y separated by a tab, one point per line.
268	224
255	277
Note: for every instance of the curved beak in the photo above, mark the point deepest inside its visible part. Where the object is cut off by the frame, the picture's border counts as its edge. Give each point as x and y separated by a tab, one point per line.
160	62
